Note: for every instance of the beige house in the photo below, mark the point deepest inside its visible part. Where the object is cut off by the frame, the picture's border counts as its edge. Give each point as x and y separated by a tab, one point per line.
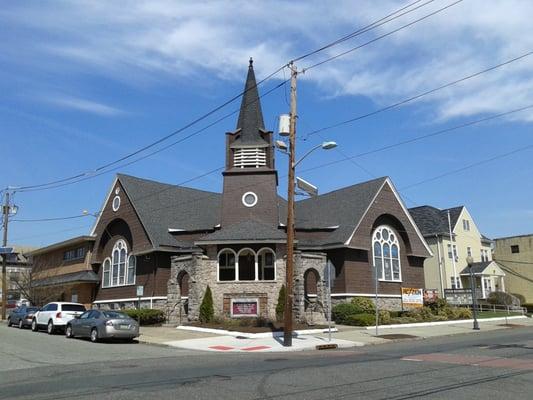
453	236
515	255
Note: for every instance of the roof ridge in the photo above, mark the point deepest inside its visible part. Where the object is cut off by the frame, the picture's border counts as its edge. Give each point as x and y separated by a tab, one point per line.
119	175
383	178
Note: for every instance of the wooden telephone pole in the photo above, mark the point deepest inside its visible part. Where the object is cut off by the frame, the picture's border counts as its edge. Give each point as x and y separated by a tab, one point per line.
289	272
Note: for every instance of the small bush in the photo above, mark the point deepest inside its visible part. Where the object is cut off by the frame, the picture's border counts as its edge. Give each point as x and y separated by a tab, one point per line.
422	314
341	312
147	316
528	306
520	297
363	319
363	305
280	307
438	305
403	320
207	311
384	317
502	298
463	313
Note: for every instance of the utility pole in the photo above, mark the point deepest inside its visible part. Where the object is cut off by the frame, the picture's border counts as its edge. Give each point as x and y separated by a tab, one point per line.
5	210
289	271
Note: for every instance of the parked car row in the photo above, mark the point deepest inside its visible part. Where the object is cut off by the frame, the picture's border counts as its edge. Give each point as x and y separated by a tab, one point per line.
75	321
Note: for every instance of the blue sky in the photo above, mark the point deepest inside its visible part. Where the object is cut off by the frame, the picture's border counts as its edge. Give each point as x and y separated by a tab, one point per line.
84	83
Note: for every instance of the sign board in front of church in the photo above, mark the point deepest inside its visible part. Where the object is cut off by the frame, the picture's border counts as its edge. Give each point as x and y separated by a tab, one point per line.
412	297
244	307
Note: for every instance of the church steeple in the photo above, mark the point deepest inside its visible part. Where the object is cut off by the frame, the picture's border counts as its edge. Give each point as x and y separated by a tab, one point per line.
250	145
250	120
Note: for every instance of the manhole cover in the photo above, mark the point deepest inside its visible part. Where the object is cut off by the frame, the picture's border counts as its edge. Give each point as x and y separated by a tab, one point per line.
397	336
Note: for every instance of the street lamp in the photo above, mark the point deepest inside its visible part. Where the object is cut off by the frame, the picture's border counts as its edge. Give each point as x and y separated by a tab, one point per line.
470	262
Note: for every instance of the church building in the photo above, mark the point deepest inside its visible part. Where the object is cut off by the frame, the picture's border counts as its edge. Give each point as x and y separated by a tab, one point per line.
176	241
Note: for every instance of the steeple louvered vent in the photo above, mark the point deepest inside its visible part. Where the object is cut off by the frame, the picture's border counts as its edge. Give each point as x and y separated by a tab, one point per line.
249	158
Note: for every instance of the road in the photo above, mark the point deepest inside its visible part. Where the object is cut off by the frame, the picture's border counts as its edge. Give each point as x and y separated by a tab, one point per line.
485	365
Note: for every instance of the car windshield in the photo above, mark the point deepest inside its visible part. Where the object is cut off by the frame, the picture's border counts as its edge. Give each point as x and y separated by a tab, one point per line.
114	314
73	307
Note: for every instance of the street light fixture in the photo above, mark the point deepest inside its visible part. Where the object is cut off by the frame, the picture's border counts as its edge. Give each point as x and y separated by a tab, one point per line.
470	262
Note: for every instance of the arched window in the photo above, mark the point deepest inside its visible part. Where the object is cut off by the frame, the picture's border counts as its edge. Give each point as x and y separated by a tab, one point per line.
247	265
226	265
119	270
386	249
266	260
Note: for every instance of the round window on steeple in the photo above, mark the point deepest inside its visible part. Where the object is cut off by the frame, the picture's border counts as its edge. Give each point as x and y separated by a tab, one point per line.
249	199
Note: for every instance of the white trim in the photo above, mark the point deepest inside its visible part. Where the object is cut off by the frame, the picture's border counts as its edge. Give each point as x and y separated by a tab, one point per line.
237	264
395	242
245	300
437	323
244	197
235	267
171	230
364	214
117	206
130	299
275	264
111	191
399	296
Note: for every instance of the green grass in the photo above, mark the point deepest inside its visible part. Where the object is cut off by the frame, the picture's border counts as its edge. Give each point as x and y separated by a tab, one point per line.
496	314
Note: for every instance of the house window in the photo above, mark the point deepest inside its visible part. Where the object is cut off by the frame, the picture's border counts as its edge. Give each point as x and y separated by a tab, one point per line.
456	282
484	255
226	265
469	251
74	254
386	251
267	269
247	263
119	270
454	254
466	225
515	249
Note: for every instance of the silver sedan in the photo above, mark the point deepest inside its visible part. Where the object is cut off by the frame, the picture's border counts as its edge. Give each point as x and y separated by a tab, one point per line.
99	324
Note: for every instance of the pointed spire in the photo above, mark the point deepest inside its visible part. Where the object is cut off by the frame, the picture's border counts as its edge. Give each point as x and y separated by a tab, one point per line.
250	116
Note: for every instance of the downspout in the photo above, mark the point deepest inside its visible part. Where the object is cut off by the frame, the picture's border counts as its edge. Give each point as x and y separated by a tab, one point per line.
453	252
440	265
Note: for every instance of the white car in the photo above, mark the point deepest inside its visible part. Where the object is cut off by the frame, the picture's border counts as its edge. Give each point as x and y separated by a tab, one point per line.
55	316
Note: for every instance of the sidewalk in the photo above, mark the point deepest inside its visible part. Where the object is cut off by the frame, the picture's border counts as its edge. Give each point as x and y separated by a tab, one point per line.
347	336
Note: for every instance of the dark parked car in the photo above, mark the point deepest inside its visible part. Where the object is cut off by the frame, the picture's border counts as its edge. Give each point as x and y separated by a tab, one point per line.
22	316
97	325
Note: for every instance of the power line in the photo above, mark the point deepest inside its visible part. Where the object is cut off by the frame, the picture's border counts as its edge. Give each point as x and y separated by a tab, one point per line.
52	219
382	36
95	172
418	96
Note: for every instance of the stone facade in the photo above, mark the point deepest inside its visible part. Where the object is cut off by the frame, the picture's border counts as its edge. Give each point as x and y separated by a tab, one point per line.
305	308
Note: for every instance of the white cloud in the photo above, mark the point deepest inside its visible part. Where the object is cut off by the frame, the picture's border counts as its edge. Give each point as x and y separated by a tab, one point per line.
134	40
84	105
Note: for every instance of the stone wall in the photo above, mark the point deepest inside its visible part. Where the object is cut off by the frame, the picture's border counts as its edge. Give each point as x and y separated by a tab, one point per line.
316	310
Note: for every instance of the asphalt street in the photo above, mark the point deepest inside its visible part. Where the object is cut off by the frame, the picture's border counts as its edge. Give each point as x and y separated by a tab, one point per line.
485	365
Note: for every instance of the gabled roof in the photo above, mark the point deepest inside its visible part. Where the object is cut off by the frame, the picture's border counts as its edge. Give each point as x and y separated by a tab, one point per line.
246	231
343	208
250	121
161	206
479	268
434	221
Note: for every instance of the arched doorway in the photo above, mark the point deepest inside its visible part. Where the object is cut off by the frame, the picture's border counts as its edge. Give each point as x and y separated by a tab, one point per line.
183	283
311	278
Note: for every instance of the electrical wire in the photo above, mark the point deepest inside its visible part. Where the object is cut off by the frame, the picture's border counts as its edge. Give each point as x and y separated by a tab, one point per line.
418	96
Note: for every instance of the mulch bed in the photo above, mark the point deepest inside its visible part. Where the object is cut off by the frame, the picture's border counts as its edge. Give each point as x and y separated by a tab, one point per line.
393	336
271	327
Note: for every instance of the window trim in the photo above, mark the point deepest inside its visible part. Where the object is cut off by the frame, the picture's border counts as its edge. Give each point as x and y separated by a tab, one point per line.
235	267
115	266
255	264
381	276
265	250
237	254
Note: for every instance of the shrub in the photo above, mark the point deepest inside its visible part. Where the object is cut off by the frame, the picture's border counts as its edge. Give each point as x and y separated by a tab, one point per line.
520	297
148	316
207	311
341	312
438	305
528	306
363	319
384	317
463	313
403	320
280	307
502	298
364	305
422	314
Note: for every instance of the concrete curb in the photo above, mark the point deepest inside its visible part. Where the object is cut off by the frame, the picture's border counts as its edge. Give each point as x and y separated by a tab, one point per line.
251	335
462	321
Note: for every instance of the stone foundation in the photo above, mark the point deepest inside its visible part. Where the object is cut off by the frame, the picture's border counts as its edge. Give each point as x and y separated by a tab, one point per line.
384	303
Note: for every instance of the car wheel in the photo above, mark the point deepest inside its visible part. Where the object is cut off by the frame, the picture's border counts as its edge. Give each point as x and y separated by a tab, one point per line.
34	326
50	327
94	335
68	332
8	321
21	324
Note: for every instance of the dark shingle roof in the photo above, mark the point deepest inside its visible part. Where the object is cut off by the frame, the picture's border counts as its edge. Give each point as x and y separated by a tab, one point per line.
344	208
250	116
477	267
245	231
82	276
161	206
434	221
